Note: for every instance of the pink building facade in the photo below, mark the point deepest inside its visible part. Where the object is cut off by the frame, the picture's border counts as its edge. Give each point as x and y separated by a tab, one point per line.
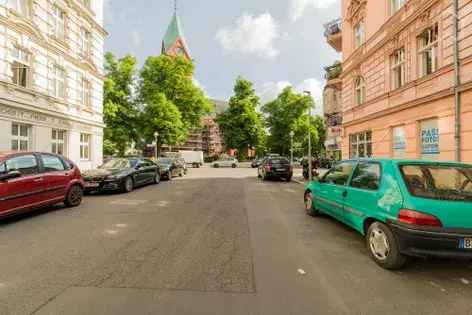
398	78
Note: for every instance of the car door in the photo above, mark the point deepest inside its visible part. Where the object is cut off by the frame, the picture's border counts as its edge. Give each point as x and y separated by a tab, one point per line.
332	189
28	190
150	170
140	172
362	194
55	174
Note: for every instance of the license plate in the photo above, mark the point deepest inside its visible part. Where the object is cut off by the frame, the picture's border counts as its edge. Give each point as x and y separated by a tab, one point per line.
280	170
91	185
465	243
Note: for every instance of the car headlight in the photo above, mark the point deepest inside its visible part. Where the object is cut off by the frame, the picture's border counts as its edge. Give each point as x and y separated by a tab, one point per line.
113	177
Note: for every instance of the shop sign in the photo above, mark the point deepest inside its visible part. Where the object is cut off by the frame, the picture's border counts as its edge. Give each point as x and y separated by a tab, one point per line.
430	137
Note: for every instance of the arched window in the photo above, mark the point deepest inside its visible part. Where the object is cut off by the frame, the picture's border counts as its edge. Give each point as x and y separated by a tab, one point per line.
360	90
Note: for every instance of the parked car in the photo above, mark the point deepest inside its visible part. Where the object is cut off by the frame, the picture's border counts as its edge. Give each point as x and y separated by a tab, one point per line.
256	163
402	207
171	168
275	167
226	162
31	180
123	174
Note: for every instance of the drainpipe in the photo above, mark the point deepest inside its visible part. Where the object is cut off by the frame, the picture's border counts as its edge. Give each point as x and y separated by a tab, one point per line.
457	82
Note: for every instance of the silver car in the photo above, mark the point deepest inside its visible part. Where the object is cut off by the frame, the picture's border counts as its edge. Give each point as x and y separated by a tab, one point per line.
226	162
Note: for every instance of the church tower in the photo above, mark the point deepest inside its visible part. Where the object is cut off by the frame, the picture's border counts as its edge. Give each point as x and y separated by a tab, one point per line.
174	43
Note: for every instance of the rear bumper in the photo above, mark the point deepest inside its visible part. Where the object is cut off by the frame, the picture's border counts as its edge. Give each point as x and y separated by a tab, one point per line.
285	174
429	242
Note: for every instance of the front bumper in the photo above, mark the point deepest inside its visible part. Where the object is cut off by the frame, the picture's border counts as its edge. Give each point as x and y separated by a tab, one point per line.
425	242
106	185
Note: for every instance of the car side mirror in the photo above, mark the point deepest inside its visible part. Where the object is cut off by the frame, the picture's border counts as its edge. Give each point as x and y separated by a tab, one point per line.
9	175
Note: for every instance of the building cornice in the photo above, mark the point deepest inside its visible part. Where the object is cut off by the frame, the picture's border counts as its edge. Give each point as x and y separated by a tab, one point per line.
88	15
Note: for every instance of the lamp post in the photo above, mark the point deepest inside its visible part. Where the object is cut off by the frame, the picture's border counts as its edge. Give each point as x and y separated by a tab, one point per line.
308	93
156	136
291	146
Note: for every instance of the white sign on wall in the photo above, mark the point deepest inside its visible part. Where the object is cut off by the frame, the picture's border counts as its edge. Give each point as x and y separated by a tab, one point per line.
429	133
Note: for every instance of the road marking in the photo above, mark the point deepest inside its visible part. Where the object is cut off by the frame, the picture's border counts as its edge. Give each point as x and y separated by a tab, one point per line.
128	202
163	203
121	225
437	286
111	232
465	281
301	271
290	190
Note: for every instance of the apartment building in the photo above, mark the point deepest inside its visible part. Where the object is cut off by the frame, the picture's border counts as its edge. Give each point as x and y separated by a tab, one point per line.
51	78
403	95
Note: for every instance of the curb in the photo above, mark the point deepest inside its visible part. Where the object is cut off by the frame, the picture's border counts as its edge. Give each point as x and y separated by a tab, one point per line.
298	181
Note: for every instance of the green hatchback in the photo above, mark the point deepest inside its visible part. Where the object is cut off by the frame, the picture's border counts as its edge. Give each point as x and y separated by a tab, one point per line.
403	207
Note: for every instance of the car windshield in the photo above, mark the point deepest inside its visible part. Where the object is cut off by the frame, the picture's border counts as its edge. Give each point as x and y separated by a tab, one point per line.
439	182
165	161
282	161
118	164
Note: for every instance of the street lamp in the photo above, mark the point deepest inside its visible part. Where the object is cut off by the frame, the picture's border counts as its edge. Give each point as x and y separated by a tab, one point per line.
291	146
156	135
308	93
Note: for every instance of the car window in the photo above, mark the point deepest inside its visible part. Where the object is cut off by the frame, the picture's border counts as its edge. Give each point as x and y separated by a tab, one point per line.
366	176
3	168
52	163
25	164
339	174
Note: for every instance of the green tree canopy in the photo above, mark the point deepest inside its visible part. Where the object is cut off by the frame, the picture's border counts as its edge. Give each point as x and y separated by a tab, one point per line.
289	113
241	125
119	111
172	76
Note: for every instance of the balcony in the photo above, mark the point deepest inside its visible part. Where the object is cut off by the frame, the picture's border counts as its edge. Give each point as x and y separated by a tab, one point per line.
333	34
333	73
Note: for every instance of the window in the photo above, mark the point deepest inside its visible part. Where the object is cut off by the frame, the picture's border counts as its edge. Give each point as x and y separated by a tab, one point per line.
397	61
59	82
360	90
58	141
85	146
84	91
339	174
84	43
438	182
360	144
366	176
359	34
87	3
399	141
25	164
395	5
59	23
428	48
21	67
22	7
3	168
20	137
52	163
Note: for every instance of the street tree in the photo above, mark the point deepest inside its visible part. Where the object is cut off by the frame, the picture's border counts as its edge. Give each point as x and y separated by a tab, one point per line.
289	113
172	76
162	116
119	109
241	125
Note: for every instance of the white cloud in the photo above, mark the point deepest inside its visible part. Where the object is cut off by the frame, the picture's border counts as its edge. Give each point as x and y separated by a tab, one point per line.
270	90
251	35
298	7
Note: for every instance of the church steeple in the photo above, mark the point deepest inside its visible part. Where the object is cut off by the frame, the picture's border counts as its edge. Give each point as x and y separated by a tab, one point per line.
174	43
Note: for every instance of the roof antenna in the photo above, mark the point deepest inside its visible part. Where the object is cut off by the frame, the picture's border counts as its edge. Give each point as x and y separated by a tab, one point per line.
175	6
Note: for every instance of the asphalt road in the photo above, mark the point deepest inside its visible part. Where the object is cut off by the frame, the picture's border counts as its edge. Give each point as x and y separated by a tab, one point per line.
218	241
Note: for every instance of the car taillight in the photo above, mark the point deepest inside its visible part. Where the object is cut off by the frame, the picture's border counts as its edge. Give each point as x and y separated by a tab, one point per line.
418	218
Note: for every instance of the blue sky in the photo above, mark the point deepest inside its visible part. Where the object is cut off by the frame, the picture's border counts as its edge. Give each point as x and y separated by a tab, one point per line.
273	43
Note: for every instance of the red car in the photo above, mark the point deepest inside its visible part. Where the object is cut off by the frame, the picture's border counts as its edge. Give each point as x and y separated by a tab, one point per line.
30	180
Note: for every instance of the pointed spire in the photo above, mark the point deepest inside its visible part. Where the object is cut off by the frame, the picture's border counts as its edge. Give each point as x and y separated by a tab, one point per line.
174	40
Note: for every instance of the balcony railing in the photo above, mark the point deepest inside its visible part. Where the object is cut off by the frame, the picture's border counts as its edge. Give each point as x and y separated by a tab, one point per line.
333	71
332	28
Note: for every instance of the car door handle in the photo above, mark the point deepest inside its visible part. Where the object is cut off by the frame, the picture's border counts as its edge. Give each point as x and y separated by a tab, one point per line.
345	193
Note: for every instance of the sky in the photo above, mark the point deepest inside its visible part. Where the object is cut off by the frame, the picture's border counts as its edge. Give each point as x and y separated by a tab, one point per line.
273	43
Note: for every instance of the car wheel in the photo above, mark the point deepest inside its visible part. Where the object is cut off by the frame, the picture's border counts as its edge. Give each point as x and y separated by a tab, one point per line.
234	166
310	205
289	179
181	173
157	178
383	247
74	196
128	185
216	165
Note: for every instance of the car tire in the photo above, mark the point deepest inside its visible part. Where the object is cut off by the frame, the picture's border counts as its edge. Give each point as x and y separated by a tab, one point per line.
128	185
289	179
181	173
309	204
383	247
234	166
216	165
157	178
74	196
